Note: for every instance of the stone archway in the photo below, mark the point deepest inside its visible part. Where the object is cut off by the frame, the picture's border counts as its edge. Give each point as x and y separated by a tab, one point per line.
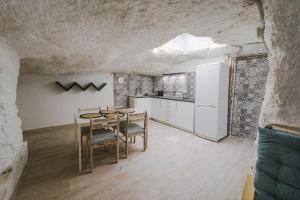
13	151
282	29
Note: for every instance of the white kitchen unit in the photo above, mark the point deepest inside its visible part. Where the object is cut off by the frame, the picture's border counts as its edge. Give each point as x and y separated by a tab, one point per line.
176	113
141	104
179	114
155	109
211	102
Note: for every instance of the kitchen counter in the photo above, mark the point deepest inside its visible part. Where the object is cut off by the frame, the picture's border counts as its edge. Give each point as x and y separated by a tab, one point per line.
167	98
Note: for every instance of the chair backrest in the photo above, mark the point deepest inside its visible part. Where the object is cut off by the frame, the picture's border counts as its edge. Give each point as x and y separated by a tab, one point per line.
88	109
138	117
114	107
104	122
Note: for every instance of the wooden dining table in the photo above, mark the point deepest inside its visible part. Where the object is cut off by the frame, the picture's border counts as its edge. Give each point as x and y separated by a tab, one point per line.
83	120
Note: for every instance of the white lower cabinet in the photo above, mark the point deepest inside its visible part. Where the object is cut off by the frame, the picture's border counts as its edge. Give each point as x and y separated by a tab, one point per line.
171	112
176	113
142	105
185	115
155	109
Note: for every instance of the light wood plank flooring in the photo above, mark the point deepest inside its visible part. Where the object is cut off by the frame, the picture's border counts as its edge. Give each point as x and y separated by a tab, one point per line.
176	166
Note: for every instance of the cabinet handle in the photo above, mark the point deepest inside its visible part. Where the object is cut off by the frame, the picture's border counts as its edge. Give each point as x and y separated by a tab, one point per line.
211	106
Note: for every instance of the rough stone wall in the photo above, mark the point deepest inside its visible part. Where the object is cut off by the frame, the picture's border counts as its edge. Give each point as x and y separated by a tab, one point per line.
282	99
13	151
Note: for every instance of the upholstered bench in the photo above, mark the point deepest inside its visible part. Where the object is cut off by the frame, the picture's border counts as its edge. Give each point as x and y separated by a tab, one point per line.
278	164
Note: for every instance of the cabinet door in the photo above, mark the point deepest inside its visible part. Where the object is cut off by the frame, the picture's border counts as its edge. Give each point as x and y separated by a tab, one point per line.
155	108
142	105
185	115
172	112
139	105
148	106
163	110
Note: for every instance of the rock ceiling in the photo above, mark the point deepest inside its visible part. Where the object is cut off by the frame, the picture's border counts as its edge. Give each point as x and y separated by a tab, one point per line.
73	36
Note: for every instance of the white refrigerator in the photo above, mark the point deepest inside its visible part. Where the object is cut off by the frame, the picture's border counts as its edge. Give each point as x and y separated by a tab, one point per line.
211	101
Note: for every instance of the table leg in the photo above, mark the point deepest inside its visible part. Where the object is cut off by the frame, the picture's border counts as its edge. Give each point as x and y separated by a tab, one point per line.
76	140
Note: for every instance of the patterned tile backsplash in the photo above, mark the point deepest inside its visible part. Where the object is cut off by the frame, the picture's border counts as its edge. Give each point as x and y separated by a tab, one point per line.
248	92
176	84
135	84
131	84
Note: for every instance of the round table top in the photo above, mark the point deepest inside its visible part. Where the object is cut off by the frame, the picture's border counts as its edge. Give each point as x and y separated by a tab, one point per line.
113	115
90	115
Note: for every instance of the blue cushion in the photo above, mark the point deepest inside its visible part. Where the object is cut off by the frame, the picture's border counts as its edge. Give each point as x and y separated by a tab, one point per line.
133	129
278	166
103	135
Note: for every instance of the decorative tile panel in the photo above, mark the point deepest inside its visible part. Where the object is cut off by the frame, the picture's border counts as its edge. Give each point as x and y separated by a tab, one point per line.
121	90
178	83
191	84
132	83
248	92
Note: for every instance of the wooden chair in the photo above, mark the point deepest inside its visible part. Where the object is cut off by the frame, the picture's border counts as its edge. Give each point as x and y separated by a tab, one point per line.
102	134
129	129
114	107
88	109
84	130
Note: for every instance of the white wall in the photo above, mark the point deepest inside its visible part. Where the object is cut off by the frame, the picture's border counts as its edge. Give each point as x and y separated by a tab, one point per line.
13	151
42	103
190	66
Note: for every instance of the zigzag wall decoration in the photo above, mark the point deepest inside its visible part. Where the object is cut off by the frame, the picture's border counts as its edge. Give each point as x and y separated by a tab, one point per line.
67	88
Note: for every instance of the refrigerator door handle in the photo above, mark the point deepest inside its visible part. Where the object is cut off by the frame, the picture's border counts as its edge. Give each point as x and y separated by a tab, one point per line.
211	106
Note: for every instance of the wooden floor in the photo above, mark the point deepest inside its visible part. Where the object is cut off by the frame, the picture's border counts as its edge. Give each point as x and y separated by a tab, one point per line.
177	165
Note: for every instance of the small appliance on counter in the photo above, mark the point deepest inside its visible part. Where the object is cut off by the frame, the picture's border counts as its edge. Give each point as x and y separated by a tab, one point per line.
185	95
159	93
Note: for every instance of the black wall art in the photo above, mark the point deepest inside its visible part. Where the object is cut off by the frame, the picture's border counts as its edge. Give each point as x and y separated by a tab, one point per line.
83	88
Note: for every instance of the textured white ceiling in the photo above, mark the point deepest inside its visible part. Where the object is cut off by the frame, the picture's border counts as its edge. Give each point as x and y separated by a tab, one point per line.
73	36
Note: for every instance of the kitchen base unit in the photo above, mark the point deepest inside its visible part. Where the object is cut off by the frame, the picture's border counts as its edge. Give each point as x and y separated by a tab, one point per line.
175	113
178	114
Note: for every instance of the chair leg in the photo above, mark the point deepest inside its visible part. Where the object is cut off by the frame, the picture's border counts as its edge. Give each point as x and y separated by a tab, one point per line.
91	158
134	139
81	141
126	146
145	142
146	135
87	146
117	150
